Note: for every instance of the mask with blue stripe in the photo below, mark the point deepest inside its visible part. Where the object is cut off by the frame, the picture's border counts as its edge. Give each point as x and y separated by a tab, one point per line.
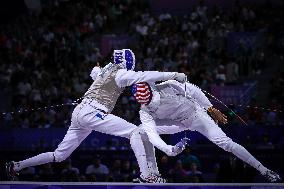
124	59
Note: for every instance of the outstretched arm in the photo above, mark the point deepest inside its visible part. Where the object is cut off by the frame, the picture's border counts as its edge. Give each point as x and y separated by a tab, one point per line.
127	78
149	127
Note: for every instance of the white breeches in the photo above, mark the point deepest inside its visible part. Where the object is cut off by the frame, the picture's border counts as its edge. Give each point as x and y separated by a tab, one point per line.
204	124
85	119
199	121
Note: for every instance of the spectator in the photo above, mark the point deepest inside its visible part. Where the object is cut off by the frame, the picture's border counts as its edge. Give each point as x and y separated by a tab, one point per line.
69	173
98	169
142	29
164	166
194	174
271	118
221	75
126	171
116	170
46	173
265	142
188	159
232	71
178	173
255	115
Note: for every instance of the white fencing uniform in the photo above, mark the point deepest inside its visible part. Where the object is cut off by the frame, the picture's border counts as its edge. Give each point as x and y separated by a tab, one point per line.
93	113
187	113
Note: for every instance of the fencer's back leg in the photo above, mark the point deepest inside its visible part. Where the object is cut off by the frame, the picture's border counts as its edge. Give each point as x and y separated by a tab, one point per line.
70	142
207	127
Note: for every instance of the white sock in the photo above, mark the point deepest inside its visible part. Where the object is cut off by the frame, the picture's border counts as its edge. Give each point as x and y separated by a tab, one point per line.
152	166
150	155
244	155
139	151
33	161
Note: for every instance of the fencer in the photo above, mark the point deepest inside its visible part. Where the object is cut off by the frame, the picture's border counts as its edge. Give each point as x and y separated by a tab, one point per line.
187	106
94	111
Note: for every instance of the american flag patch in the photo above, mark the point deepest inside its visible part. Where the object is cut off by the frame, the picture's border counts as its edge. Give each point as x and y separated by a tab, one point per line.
142	92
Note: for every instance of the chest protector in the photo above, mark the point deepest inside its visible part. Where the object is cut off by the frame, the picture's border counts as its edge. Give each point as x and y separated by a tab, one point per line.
104	89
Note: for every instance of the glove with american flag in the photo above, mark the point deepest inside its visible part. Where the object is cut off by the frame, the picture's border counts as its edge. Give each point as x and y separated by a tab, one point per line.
142	92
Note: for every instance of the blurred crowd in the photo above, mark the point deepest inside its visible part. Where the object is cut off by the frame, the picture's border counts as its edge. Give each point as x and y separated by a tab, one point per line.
277	88
185	168
64	39
197	43
97	171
